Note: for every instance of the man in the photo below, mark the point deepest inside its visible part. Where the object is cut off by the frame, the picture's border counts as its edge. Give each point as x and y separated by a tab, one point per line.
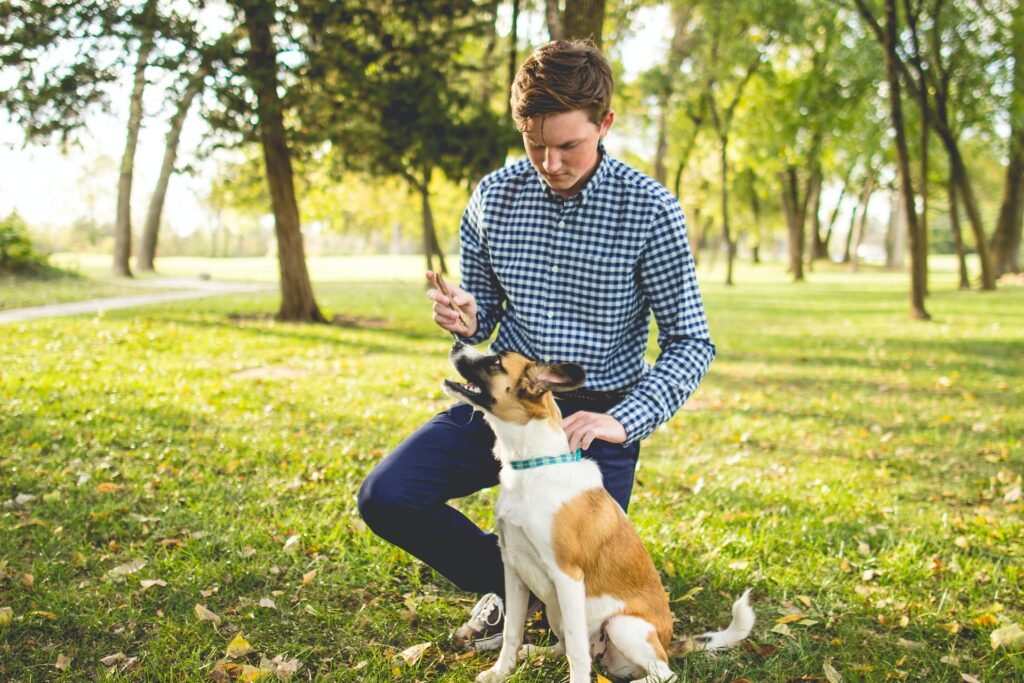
567	253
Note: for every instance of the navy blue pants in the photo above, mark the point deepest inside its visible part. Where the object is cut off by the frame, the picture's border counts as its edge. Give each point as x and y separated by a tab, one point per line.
405	498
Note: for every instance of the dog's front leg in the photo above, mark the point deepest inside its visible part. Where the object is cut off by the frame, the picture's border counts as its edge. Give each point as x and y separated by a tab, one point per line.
572	601
517	598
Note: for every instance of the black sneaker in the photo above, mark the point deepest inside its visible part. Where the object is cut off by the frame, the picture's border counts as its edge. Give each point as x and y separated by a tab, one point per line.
484	629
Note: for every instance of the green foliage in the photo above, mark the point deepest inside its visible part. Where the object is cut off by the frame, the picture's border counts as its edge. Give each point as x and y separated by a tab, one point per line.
17	255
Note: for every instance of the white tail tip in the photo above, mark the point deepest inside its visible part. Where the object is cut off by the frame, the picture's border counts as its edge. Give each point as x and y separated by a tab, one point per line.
739	628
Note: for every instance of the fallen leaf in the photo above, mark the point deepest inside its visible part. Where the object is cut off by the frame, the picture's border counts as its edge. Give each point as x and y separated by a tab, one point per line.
739	564
961	542
292	544
669	569
411	656
308	576
831	674
23	499
122	570
27	580
206	615
869	574
1013	495
239	646
986	620
790	618
62	663
267	602
6	617
111	660
50	616
282	668
689	594
804	599
909	644
951	660
952	628
1008	637
844	565
781	629
109	487
969	678
170	543
149	583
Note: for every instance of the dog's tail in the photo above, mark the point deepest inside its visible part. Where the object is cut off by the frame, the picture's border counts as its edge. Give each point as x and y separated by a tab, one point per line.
739	628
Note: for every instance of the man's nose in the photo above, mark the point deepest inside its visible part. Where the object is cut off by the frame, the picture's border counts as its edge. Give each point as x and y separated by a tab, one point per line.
552	160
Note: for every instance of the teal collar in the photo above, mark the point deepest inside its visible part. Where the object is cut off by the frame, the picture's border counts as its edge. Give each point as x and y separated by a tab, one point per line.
546	460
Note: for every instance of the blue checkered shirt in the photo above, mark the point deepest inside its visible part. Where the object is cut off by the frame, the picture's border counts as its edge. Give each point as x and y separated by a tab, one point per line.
577	280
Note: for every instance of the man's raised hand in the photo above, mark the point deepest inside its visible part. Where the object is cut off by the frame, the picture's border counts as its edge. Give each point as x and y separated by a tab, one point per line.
448	316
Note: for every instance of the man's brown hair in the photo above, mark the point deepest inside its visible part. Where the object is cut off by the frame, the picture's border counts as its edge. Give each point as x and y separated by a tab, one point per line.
561	76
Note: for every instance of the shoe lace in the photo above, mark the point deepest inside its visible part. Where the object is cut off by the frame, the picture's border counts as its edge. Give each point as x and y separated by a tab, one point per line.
489	605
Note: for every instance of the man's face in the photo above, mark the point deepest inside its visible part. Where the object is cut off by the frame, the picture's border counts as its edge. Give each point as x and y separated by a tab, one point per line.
563	148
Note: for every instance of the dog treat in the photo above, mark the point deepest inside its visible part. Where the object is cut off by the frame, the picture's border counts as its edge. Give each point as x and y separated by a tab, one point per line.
451	300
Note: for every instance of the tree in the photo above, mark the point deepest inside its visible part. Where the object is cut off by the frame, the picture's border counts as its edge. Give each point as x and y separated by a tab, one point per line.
583	19
1006	240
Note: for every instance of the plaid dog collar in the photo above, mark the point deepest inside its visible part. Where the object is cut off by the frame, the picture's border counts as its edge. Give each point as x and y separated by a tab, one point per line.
547	460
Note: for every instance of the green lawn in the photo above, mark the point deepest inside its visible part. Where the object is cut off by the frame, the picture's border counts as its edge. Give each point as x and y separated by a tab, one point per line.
852	467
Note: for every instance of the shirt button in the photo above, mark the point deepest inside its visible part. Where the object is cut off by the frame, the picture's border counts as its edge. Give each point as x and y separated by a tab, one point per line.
561	224
551	315
554	269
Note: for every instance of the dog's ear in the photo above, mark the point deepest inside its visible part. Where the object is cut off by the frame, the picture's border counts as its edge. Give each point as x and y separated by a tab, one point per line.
556	377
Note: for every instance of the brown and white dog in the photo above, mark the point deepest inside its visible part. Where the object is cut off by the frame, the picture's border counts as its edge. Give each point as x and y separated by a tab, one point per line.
564	537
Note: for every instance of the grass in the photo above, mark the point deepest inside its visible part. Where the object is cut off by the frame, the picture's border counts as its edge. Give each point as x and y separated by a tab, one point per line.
850	466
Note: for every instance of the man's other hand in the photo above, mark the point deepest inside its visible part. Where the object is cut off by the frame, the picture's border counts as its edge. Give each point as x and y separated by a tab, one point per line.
445	315
583	427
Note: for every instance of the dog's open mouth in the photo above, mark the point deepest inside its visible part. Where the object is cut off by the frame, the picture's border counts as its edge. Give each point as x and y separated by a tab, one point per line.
467	388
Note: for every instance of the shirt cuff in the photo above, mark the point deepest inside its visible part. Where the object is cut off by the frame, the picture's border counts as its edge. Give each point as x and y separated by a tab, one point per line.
637	419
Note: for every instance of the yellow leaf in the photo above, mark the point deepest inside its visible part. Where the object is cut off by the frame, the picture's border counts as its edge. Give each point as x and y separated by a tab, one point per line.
205	614
831	674
689	594
42	613
27	580
986	620
962	543
109	487
670	569
308	576
62	662
239	646
790	618
6	617
844	565
804	599
1008	637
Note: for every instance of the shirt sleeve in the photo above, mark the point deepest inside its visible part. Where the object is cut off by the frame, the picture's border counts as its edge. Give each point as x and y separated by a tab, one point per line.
667	278
478	276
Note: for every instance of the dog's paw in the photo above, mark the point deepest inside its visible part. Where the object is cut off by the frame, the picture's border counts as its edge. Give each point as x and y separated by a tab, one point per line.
492	675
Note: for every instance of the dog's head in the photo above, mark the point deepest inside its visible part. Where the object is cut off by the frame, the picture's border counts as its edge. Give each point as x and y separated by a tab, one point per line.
510	386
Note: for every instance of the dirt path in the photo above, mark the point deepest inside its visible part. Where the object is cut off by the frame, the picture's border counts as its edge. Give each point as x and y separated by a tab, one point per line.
190	289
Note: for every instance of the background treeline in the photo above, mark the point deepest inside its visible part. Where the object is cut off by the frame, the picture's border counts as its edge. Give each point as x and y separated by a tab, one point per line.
801	129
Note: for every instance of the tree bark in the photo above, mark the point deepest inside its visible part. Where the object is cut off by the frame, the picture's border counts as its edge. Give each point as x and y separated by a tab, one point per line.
513	53
1006	240
583	19
297	301
556	29
150	234
730	244
794	222
917	309
431	246
123	222
814	204
958	240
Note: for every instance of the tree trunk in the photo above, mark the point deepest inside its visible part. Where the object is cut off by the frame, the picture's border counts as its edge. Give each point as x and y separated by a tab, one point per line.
431	246
917	309
959	170
832	223
814	205
855	236
958	240
123	222
556	29
513	53
1006	239
730	245
678	49
794	223
297	301
150	234
584	19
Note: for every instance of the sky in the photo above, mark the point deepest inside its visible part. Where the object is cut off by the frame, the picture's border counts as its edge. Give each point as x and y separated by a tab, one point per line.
48	186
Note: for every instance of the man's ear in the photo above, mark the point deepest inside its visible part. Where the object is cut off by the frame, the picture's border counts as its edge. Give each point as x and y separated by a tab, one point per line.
556	377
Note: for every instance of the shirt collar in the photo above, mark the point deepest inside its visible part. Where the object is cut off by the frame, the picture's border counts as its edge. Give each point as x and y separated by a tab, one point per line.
584	195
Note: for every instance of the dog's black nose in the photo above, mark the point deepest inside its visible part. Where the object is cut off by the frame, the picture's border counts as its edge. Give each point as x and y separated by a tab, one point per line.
457	346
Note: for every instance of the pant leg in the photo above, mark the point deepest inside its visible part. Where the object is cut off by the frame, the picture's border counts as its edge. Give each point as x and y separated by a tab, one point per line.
404	499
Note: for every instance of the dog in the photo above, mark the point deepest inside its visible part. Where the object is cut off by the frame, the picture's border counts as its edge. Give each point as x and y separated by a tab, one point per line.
564	537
